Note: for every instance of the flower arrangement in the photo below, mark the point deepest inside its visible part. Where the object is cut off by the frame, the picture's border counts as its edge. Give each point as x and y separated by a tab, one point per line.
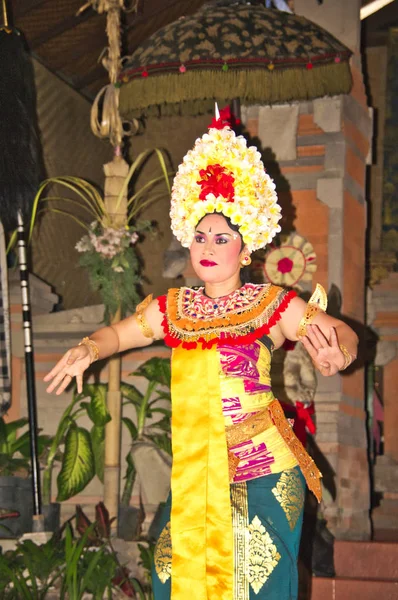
111	259
108	248
221	174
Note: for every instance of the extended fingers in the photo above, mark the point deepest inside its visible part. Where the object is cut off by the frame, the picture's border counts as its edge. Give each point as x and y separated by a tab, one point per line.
333	338
312	351
79	383
57	380
66	381
316	336
58	367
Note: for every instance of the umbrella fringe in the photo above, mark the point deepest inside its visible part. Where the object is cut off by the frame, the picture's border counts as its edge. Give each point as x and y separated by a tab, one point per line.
171	94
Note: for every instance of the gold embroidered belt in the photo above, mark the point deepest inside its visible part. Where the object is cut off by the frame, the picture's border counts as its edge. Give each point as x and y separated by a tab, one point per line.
260	422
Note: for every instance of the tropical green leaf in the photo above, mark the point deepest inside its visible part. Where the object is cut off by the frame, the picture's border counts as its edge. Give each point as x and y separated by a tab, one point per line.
78	465
3	437
130	393
22	444
156	369
162	395
159	409
163	424
12	428
131	427
97	411
98	444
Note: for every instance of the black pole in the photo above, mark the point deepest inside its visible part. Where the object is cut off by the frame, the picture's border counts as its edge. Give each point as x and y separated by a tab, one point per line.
30	372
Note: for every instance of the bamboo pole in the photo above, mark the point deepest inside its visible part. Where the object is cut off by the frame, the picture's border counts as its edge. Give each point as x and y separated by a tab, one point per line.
115	175
110	125
113	435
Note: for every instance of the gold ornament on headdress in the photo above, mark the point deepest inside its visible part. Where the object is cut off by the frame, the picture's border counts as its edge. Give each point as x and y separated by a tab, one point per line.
221	174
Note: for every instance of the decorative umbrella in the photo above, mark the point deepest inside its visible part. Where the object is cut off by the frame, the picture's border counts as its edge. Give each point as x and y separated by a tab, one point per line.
228	50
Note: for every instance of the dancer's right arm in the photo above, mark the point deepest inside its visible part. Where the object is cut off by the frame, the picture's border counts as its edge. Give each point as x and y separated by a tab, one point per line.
121	336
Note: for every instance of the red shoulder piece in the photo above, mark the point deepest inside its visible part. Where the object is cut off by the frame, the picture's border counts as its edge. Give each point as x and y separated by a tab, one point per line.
162	301
168	339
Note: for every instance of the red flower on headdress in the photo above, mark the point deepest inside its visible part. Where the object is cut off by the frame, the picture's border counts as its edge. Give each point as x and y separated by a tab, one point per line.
227	119
216	180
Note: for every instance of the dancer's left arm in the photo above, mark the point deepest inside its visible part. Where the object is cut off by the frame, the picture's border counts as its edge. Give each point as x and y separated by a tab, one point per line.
331	343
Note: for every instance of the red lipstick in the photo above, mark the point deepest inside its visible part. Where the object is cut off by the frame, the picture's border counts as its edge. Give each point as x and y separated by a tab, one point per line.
208	263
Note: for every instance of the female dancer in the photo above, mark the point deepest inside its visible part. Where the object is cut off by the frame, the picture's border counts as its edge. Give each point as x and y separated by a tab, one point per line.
231	527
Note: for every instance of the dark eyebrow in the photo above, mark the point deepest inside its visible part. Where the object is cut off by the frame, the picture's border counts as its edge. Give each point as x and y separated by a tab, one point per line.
203	233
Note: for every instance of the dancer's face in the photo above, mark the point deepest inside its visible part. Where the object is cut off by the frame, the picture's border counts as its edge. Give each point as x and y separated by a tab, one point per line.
216	250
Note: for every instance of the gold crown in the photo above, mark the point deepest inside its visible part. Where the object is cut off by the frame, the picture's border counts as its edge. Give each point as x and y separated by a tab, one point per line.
221	174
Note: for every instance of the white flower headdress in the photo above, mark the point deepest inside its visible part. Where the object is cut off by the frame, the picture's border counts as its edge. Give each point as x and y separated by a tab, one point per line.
221	174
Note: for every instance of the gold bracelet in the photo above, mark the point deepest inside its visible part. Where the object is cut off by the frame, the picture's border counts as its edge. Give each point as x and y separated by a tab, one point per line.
348	358
141	320
316	304
92	346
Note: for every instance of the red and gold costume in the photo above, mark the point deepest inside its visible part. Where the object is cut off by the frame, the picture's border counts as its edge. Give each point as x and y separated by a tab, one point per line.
228	430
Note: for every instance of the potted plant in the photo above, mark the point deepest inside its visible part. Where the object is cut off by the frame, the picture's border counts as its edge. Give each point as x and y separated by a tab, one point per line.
80	450
15	482
69	565
150	442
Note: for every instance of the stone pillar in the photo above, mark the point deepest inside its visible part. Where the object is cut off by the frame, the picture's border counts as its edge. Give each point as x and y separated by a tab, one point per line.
341	400
320	149
383	318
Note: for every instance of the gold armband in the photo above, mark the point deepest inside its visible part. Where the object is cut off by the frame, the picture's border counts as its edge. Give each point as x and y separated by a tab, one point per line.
141	320
92	346
348	358
316	304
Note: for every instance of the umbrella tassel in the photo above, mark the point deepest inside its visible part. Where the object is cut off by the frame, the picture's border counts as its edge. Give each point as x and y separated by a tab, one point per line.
251	86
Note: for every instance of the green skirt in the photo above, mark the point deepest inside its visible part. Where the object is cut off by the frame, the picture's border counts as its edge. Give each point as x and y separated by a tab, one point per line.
267	516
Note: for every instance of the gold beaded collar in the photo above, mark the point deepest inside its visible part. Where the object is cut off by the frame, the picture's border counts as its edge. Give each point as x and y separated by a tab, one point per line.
192	315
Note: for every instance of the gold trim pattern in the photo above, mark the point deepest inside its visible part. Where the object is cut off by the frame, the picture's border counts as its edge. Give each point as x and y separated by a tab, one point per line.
308	467
240	523
141	319
248	428
237	321
317	303
263	555
289	492
162	555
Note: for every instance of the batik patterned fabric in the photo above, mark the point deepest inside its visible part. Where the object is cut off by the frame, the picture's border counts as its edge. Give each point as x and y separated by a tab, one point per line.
245	389
265	542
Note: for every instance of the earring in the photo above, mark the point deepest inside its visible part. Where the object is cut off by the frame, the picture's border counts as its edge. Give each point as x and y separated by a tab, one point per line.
246	261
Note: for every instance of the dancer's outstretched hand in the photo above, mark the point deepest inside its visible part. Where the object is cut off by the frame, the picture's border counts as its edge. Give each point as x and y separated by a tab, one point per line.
73	364
325	353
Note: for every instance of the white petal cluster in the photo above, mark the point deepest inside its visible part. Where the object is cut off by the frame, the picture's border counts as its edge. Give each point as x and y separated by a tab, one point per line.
255	209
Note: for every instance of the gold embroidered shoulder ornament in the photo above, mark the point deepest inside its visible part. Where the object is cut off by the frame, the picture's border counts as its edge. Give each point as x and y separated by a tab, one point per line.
245	315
